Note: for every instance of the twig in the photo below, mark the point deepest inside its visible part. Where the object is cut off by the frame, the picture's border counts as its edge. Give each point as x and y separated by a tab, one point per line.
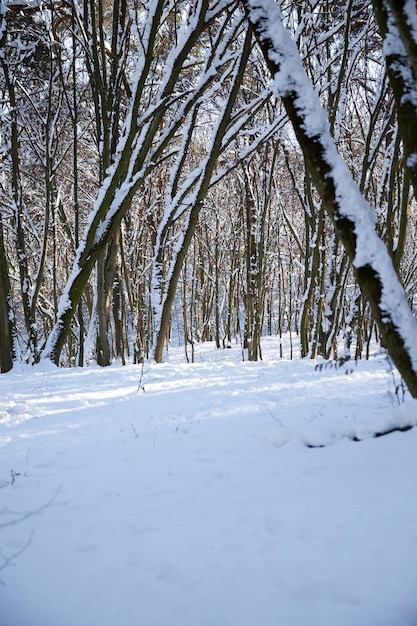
24	516
277	421
134	430
8	559
379	433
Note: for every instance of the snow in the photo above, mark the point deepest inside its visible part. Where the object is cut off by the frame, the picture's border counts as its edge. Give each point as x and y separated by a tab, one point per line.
187	494
393	46
410	11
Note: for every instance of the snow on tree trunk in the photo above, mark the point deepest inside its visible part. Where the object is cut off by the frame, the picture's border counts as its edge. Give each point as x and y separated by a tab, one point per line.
398	27
351	215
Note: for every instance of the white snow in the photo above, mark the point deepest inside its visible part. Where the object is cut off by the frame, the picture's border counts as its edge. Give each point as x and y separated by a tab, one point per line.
197	502
410	11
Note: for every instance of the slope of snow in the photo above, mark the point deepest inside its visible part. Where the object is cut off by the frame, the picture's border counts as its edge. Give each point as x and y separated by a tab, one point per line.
189	496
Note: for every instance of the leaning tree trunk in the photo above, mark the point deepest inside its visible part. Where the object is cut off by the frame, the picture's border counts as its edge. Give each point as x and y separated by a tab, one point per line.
198	195
351	215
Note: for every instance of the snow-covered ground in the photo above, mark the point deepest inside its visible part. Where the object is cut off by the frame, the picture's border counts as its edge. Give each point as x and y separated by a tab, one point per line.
188	496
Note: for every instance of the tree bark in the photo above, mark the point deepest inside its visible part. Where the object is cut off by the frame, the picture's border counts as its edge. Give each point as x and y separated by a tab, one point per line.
7	327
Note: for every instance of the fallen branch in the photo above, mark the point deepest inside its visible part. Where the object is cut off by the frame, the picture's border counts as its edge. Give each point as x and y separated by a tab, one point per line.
379	433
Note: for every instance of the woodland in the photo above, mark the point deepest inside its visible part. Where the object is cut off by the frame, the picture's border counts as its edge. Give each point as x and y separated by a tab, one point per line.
166	178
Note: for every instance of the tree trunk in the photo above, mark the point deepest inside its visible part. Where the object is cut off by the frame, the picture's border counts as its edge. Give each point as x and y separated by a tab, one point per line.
396	25
7	328
18	210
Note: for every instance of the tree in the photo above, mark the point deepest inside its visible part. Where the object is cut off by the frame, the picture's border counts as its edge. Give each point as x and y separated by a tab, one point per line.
109	89
9	68
7	324
351	215
396	22
7	329
193	197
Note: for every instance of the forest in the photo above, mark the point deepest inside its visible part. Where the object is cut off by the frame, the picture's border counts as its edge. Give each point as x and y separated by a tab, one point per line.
208	332
178	172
